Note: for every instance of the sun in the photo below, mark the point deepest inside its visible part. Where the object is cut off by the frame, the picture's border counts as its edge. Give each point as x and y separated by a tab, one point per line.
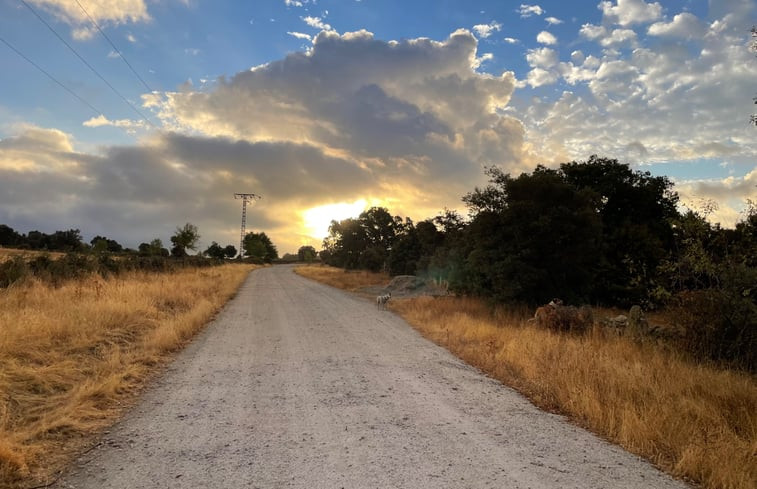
316	220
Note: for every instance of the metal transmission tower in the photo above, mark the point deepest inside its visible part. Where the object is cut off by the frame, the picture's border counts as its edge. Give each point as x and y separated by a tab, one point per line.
245	199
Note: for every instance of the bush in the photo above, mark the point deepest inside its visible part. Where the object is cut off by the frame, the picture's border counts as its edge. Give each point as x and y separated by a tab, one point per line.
720	324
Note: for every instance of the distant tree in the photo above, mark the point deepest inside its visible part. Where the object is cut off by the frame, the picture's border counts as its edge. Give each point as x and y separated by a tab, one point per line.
153	248
67	241
306	254
260	247
184	238
215	251
9	237
230	251
101	244
363	242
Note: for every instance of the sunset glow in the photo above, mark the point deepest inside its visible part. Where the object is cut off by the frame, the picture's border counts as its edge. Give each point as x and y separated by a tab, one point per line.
317	219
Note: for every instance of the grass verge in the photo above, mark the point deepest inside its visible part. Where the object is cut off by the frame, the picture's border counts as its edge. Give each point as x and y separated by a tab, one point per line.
351	280
71	357
696	422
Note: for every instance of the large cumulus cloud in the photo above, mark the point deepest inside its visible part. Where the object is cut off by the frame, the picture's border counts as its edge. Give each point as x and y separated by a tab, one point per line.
408	123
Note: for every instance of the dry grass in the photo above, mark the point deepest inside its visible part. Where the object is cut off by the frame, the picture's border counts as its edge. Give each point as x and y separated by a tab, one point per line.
71	357
9	253
696	422
342	279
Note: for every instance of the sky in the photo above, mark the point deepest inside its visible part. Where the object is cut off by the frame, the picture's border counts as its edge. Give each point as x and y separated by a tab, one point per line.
128	118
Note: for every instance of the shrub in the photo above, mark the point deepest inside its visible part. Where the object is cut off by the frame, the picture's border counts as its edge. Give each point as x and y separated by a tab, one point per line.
720	324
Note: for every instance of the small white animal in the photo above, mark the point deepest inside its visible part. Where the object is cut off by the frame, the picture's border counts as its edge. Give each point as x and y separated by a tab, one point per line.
382	300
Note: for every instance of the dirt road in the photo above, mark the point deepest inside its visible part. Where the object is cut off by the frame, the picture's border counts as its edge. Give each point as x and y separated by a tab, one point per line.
300	385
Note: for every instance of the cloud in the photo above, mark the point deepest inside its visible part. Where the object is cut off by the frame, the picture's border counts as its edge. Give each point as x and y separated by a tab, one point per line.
553	21
104	13
409	124
511	40
486	30
629	12
675	102
730	195
316	23
300	35
684	26
592	32
542	57
529	10
545	37
128	124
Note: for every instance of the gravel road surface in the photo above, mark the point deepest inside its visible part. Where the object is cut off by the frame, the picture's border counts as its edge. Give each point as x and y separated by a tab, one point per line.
296	384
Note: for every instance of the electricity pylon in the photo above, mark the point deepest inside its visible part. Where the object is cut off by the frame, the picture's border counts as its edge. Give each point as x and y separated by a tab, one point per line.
245	199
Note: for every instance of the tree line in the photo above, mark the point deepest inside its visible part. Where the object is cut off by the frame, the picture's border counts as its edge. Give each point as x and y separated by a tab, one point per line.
589	232
257	247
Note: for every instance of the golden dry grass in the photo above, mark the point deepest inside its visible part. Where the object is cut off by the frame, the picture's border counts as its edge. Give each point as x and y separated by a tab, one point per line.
9	253
696	422
342	279
71	357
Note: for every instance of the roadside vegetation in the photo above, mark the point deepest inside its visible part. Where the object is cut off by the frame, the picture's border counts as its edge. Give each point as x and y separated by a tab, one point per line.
593	232
352	280
678	388
696	422
72	355
84	325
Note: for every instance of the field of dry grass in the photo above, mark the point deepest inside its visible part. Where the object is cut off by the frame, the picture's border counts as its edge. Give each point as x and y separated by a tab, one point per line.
344	279
72	357
9	253
696	422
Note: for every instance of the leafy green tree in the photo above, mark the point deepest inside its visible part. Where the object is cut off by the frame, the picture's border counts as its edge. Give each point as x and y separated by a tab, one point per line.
306	254
259	246
531	238
184	238
215	251
636	211
102	244
230	251
153	248
9	237
363	242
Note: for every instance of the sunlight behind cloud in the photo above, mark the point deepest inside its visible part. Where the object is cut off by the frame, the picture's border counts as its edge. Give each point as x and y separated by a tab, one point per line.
317	219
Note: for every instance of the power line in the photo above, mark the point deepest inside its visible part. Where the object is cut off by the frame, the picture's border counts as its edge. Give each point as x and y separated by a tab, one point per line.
141	115
97	111
114	47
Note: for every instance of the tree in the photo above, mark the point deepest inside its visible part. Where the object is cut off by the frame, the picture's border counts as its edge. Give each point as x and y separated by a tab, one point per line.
259	247
364	242
153	248
306	254
215	251
531	238
636	211
230	251
9	237
102	244
184	238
